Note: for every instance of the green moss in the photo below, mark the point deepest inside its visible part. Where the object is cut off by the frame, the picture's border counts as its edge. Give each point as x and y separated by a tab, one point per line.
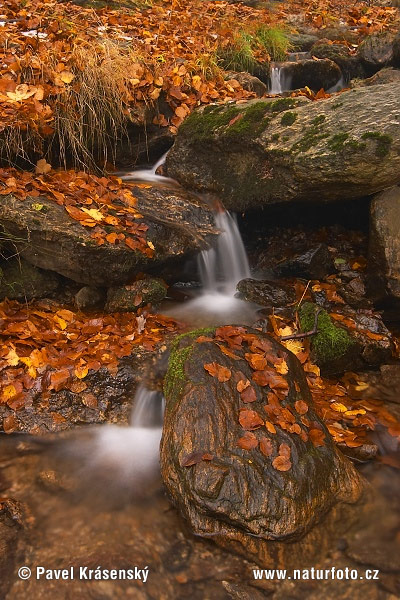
318	120
331	342
288	118
275	137
383	142
282	104
336	105
181	349
337	141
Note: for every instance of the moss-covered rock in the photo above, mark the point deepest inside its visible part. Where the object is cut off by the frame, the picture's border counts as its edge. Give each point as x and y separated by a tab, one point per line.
357	341
234	493
376	50
290	149
130	298
20	280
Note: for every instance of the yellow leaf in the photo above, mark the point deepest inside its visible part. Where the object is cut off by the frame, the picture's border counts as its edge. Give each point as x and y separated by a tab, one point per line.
42	167
12	358
9	392
286	331
338	407
354	413
282	367
150	245
60	322
22	92
93	213
81	371
66	76
294	346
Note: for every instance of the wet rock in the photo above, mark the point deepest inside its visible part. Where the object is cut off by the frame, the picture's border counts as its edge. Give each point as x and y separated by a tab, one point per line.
302	42
250	500
376	50
339	33
340	54
178	224
89	297
387	75
350	341
248	82
396	51
316	263
284	150
8	551
315	74
130	298
20	280
384	245
354	292
266	293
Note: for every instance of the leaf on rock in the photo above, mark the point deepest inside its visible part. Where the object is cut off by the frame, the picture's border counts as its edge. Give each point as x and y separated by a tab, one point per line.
250	419
317	437
281	463
266	446
215	370
248	395
301	407
248	441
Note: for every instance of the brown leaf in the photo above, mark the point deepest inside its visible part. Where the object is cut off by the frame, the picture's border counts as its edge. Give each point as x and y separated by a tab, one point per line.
266	446
270	427
250	419
242	385
256	361
248	395
281	463
10	424
317	437
271	378
301	407
284	450
248	441
221	373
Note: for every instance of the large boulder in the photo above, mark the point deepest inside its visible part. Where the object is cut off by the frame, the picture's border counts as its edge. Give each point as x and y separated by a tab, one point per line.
384	245
288	149
377	50
244	455
178	224
340	54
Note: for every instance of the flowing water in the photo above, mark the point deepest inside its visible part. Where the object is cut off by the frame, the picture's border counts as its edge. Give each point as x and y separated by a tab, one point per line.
127	458
279	81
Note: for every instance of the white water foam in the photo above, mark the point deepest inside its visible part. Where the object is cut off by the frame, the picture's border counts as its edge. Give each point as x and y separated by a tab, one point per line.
148	174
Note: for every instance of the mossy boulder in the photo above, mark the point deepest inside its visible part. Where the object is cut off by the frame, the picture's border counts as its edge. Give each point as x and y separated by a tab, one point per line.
376	50
130	298
355	340
252	155
350	65
19	280
302	42
221	451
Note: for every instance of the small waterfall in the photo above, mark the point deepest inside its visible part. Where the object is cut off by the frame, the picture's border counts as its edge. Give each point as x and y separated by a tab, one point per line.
222	267
275	86
149	174
279	80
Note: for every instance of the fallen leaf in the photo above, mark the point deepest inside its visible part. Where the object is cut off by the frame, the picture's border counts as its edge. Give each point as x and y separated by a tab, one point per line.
248	441
221	373
281	463
250	419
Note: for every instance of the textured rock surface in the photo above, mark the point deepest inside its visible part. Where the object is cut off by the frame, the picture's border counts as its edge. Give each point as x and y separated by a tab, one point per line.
384	248
270	151
20	280
239	496
248	82
315	74
266	293
376	51
130	298
179	224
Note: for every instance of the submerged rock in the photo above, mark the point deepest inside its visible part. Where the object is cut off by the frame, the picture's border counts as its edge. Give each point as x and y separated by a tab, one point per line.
179	224
130	298
288	149
351	340
267	293
19	280
244	455
384	245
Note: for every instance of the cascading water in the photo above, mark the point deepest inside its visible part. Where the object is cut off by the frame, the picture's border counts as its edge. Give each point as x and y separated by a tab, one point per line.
222	267
149	174
275	85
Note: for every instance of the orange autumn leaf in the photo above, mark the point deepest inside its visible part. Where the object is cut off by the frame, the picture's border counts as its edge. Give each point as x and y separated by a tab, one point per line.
284	450
242	384
301	407
248	395
317	437
266	446
270	427
250	419
221	373
58	379
248	441
281	463
256	361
